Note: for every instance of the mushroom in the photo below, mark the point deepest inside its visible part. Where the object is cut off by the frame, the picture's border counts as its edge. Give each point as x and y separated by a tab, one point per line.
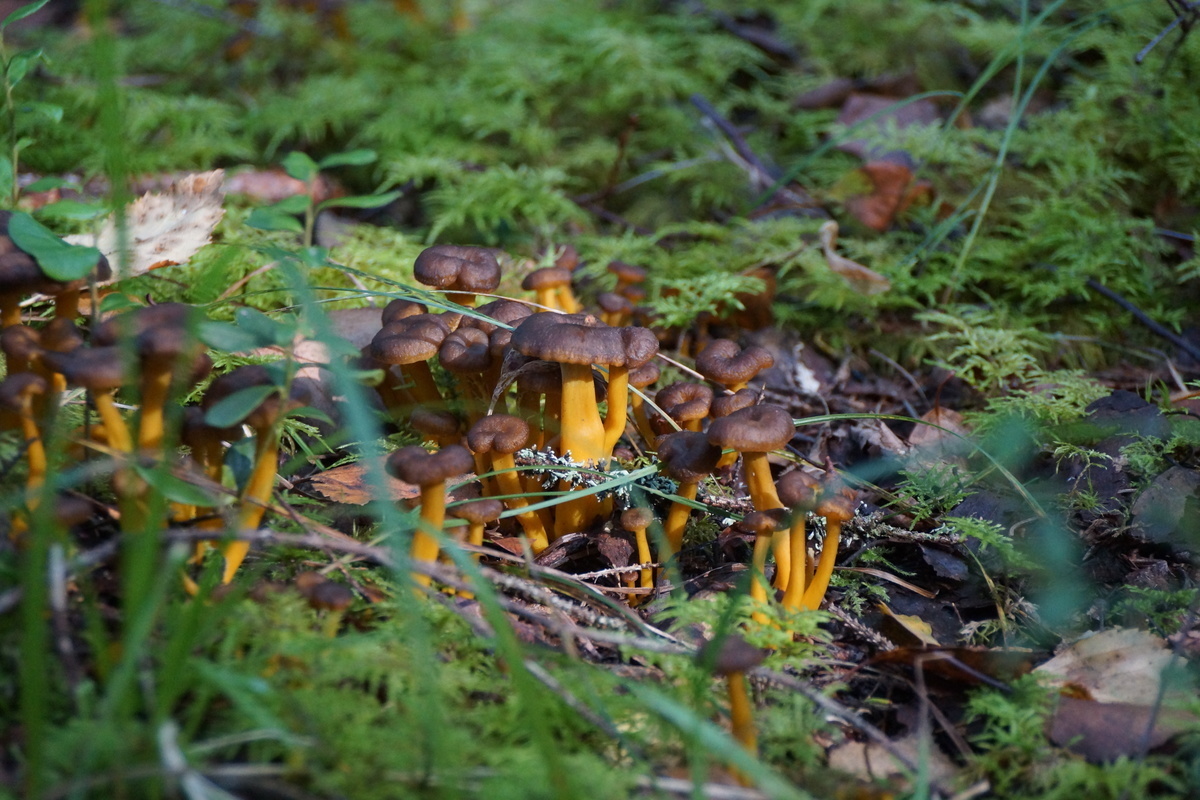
754	432
463	270
207	444
837	507
16	395
400	308
429	471
686	456
686	403
723	362
467	353
434	425
408	344
641	378
733	658
765	527
616	310
477	514
264	420
724	405
547	284
799	491
628	276
100	370
637	520
497	437
325	595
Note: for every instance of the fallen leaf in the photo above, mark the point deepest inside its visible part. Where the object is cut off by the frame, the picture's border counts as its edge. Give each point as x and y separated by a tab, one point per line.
861	279
350	484
889	183
914	629
941	442
163	229
1108	731
882	111
1119	665
873	762
971	665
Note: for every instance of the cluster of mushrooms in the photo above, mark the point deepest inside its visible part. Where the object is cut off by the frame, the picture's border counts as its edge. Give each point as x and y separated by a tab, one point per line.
493	389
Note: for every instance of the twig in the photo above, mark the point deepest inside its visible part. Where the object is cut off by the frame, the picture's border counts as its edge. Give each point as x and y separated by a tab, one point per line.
1144	318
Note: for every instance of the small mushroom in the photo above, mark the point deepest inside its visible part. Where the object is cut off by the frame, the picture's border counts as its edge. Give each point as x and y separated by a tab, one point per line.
641	378
837	507
628	276
16	395
429	471
686	403
686	457
799	491
477	513
616	310
765	527
637	521
734	657
100	370
498	436
327	596
547	284
723	362
408	344
464	270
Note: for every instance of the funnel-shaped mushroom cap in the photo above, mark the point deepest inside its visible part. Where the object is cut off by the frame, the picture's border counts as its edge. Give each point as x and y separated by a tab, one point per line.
457	267
267	412
726	363
418	466
499	433
733	655
799	490
410	340
762	523
757	429
685	402
480	511
401	308
568	258
20	274
583	339
150	318
546	278
433	423
637	518
96	368
61	335
613	303
467	350
644	375
21	342
509	312
17	389
687	456
627	273
323	594
725	404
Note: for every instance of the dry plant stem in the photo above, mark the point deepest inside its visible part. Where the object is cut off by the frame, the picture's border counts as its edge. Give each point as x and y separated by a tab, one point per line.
433	517
258	493
820	581
509	481
793	595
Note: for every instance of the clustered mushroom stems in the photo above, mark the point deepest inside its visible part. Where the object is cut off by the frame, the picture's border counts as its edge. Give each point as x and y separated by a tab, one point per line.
563	365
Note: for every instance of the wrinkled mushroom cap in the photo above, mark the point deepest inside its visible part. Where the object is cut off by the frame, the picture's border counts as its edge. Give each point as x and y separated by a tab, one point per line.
627	273
583	339
267	412
322	593
762	523
458	267
725	404
401	308
799	490
95	368
644	375
409	340
418	466
685	402
546	278
687	456
139	321
756	429
613	303
637	518
726	363
499	433
480	511
466	350
507	312
433	423
17	389
21	341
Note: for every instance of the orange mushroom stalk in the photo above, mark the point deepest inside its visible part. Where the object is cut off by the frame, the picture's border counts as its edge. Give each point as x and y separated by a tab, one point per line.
429	471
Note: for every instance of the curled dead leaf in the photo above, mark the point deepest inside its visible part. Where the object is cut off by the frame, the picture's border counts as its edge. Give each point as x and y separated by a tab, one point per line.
862	279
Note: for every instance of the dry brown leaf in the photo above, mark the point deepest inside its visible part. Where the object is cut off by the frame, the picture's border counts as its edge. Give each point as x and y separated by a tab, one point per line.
1120	665
863	280
937	442
1108	731
889	184
166	228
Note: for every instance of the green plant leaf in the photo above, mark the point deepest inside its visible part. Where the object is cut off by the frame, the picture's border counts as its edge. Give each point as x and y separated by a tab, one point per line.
72	209
266	330
270	219
59	260
226	337
23	12
50	111
300	166
235	408
6	176
174	488
18	65
350	158
47	183
362	201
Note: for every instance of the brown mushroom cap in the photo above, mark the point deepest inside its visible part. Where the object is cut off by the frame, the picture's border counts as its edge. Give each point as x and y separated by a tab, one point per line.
500	433
644	375
418	466
726	363
466	350
139	321
546	278
685	402
21	342
583	339
96	368
756	429
265	413
627	273
733	655
687	456
508	312
458	267
409	340
613	303
20	274
61	335
480	511
433	423
568	259
762	523
18	388
401	308
725	404
637	518
322	593
799	490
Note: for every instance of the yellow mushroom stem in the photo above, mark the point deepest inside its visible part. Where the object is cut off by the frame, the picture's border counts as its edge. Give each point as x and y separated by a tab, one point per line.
255	499
741	713
66	303
758	566
433	518
677	518
815	593
115	429
582	437
208	456
764	497
156	383
642	419
462	298
793	595
547	296
35	450
618	402
10	310
423	388
509	481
